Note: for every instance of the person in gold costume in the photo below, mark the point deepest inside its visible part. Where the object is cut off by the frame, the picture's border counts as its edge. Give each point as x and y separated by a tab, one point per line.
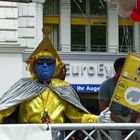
43	98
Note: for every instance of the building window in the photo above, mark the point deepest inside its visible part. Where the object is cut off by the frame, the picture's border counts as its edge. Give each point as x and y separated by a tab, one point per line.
77	38
78	7
125	38
83	16
51	7
98	38
98	7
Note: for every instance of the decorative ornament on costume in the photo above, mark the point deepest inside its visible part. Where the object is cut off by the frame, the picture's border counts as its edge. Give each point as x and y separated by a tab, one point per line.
46	118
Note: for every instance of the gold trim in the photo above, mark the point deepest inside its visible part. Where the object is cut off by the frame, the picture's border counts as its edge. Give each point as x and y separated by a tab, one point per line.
83	21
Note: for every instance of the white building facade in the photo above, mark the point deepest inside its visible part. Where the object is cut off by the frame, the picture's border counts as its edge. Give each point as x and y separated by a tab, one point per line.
20	29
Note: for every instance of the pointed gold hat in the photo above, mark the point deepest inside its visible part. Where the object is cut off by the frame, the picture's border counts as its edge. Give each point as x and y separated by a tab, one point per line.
45	45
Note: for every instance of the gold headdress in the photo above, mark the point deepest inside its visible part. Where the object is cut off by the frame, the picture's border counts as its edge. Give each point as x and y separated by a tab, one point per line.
45	48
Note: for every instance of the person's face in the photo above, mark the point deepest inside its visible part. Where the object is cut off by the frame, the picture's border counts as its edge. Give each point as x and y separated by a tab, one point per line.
118	73
44	68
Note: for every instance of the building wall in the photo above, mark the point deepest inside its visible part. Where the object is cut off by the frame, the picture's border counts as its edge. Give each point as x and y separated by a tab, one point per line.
20	31
8	23
27	24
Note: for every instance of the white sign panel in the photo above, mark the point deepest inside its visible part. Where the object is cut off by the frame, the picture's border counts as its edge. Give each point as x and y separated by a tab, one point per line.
86	76
88	72
25	132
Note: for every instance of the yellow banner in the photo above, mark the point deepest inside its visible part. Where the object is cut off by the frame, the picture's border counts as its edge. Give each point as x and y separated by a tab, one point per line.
127	91
131	69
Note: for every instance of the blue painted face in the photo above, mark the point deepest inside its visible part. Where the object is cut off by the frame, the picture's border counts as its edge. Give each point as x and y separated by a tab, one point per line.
44	68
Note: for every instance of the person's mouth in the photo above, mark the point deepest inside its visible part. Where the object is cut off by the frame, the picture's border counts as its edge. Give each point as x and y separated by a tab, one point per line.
45	70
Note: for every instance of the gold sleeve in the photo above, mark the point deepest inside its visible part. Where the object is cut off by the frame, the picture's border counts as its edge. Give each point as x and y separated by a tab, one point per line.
78	116
6	113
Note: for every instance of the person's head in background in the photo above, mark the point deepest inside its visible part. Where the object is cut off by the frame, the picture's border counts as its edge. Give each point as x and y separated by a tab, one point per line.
62	74
118	65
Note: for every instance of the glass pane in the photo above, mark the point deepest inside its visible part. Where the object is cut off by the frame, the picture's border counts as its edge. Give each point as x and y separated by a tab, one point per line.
98	38
51	7
78	7
125	38
98	7
54	35
77	38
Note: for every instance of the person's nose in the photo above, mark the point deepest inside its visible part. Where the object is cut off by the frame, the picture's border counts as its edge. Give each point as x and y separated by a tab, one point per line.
45	64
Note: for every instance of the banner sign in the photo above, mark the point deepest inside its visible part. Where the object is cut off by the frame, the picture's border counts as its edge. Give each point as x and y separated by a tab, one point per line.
86	88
